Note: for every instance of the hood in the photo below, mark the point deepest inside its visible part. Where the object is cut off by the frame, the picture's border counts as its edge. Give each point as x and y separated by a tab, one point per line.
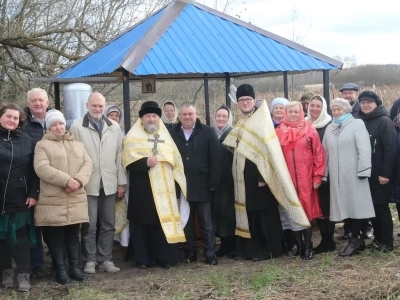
115	107
376	113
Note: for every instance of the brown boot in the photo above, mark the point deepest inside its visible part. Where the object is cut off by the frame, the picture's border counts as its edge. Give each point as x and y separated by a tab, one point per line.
23	282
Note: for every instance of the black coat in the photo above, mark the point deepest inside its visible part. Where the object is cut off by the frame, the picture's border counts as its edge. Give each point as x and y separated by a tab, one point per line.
383	140
356	110
224	198
324	189
141	206
18	179
201	160
395	109
396	173
32	127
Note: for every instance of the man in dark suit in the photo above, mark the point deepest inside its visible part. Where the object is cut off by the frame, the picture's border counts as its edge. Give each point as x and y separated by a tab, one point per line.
200	150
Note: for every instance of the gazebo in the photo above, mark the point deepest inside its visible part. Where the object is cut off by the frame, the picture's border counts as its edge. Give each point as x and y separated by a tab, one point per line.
184	41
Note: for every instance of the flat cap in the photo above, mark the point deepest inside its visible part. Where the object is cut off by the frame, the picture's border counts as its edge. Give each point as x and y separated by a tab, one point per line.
349	86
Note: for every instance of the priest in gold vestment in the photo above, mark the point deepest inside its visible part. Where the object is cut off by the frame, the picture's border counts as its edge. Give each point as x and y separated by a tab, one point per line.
157	212
262	182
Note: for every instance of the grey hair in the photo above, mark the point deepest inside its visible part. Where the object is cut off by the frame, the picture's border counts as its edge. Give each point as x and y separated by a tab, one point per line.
187	104
37	90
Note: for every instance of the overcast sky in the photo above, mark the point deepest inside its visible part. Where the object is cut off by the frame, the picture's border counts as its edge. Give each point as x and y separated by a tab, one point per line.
369	31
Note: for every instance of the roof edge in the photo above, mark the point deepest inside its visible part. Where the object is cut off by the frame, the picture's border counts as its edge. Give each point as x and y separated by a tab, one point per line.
110	41
271	35
138	52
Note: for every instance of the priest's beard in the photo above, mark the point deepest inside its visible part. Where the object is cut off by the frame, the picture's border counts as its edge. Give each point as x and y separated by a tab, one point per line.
151	128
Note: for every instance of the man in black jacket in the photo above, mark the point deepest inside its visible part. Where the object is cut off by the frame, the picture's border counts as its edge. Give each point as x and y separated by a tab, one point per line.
200	150
38	104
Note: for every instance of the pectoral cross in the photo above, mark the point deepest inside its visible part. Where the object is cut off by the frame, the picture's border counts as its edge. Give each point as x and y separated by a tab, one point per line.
156	141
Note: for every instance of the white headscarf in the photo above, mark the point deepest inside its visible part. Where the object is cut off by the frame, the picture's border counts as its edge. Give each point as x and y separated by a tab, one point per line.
324	118
164	118
227	125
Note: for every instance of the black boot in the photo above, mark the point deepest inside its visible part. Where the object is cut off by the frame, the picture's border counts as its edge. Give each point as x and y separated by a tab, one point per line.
73	257
57	255
308	251
354	246
299	243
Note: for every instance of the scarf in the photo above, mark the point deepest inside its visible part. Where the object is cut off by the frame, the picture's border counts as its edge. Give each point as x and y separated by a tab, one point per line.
340	121
292	131
227	125
164	118
97	125
324	118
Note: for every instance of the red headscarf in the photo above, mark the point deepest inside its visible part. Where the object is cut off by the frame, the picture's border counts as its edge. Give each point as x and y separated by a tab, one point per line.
289	132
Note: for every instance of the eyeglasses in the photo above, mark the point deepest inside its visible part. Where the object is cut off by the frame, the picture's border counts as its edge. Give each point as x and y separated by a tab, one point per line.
243	100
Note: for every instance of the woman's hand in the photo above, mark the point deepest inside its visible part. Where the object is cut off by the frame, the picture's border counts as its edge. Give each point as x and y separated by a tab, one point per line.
316	185
72	185
383	180
30	202
261	184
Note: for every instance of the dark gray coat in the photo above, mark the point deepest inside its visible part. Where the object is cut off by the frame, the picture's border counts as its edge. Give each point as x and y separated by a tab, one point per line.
201	160
383	139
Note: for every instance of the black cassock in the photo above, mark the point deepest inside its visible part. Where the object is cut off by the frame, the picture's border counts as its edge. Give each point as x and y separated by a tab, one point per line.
147	242
264	220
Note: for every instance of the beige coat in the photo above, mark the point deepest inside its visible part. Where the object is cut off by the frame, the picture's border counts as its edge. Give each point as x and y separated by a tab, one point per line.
56	161
105	154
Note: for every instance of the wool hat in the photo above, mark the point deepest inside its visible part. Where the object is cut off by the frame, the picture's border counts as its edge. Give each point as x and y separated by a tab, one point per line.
150	107
282	101
307	95
245	90
349	86
113	109
343	103
370	96
54	115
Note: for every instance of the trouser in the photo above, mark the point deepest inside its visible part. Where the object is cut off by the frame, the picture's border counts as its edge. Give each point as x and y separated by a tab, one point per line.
20	251
204	216
383	224
36	252
101	207
61	236
356	226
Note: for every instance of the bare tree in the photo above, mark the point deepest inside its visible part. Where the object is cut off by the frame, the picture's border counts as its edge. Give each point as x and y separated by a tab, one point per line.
40	37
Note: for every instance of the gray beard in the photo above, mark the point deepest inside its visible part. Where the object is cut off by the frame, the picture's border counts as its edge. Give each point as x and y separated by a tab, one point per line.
151	128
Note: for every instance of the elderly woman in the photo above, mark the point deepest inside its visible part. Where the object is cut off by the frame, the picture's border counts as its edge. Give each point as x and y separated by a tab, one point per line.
305	159
278	110
383	140
224	200
169	114
64	168
19	188
320	119
348	155
115	113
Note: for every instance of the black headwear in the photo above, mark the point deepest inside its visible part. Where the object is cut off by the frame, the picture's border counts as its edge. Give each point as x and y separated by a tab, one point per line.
245	90
150	107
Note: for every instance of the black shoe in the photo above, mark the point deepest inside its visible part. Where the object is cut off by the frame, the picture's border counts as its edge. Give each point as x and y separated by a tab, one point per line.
75	272
326	245
35	271
142	267
57	255
384	248
212	260
260	258
164	265
189	258
231	255
299	249
354	246
346	235
308	252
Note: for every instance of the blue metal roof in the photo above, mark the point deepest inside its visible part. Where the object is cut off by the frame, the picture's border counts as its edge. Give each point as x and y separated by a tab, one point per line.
194	39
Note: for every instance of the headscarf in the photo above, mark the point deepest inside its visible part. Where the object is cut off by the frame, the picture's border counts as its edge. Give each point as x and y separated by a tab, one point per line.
164	118
227	125
289	131
282	101
110	108
324	118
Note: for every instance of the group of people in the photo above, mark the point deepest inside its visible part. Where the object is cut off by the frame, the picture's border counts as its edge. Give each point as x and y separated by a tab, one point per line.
256	185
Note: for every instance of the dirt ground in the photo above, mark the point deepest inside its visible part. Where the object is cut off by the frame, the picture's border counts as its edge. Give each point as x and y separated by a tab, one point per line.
370	275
